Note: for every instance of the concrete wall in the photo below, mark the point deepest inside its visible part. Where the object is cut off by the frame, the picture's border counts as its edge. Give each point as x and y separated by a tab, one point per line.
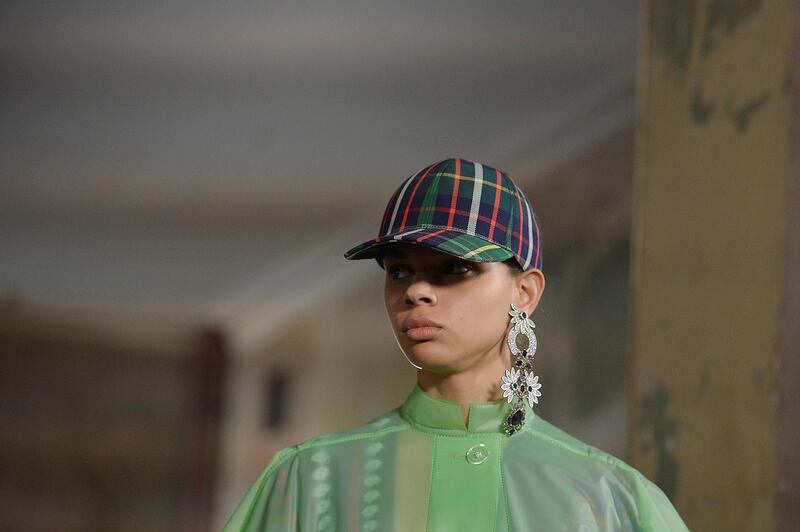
710	256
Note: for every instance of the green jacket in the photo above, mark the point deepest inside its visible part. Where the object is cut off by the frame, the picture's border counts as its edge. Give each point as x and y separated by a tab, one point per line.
418	468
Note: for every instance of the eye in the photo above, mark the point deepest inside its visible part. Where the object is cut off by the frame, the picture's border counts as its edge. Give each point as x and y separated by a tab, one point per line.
397	271
458	268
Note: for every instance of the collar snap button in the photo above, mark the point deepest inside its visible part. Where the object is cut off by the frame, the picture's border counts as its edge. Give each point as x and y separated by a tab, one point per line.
477	454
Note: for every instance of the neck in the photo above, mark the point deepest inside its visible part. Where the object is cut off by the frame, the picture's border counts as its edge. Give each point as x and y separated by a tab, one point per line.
477	384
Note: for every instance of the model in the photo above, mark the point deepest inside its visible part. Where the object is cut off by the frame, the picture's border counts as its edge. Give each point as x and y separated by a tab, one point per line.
461	249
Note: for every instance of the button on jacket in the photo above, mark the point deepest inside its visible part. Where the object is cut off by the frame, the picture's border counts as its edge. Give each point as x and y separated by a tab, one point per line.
420	468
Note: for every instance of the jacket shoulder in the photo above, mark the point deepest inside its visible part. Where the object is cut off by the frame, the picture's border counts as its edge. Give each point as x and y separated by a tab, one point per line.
596	474
384	424
289	457
548	434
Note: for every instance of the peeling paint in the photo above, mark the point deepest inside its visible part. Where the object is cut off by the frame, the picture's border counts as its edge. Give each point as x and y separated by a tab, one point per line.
724	16
701	111
742	114
672	28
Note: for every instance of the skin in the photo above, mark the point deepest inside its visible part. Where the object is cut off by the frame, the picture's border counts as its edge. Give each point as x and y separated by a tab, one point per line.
465	362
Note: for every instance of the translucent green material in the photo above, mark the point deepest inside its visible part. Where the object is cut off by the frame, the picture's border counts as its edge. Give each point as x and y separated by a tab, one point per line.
419	468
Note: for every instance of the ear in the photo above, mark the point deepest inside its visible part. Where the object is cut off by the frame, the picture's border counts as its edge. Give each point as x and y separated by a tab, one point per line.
528	289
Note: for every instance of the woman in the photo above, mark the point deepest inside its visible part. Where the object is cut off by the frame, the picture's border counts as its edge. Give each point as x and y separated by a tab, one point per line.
460	245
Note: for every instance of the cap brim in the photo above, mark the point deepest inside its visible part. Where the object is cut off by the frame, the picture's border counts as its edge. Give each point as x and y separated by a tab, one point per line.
456	243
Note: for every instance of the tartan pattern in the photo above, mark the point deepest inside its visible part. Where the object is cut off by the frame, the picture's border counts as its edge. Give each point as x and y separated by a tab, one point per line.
463	208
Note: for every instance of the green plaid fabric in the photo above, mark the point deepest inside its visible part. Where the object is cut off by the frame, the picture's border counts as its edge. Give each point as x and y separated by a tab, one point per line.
463	208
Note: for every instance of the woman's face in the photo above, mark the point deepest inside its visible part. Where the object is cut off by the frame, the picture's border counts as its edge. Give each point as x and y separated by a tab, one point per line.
466	302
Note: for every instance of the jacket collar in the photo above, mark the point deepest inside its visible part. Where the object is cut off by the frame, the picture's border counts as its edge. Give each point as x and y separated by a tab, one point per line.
432	414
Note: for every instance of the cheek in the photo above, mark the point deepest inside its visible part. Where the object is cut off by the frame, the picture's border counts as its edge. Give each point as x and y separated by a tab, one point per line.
482	317
392	302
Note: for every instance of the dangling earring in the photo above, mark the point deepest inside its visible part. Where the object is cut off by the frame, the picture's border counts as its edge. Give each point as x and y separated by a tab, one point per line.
519	382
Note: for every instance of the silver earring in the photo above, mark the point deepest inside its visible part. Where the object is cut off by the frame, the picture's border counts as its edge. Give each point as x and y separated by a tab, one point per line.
519	382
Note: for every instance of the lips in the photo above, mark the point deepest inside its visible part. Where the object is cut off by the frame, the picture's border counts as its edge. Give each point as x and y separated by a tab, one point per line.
420	328
412	323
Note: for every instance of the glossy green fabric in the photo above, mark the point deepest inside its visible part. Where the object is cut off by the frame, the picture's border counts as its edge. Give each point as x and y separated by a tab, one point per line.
419	468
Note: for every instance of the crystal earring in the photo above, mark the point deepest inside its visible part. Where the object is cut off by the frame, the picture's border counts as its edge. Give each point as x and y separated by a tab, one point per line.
519	382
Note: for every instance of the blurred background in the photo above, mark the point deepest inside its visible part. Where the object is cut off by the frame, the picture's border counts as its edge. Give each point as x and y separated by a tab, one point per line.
179	181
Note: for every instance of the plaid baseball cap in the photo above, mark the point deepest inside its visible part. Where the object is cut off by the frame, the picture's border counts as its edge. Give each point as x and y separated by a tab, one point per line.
462	208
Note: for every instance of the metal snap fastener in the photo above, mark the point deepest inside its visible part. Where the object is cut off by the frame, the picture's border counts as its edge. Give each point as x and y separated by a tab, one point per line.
477	454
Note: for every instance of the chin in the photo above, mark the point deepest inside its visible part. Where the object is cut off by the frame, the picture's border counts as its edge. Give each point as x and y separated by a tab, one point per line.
432	357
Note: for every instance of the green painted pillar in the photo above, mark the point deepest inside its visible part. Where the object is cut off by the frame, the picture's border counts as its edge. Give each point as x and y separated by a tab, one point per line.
715	316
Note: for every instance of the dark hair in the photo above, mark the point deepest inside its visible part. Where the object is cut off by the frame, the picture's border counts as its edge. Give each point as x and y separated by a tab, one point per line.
514	265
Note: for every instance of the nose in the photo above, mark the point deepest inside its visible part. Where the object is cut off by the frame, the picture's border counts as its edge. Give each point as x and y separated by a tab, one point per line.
419	292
